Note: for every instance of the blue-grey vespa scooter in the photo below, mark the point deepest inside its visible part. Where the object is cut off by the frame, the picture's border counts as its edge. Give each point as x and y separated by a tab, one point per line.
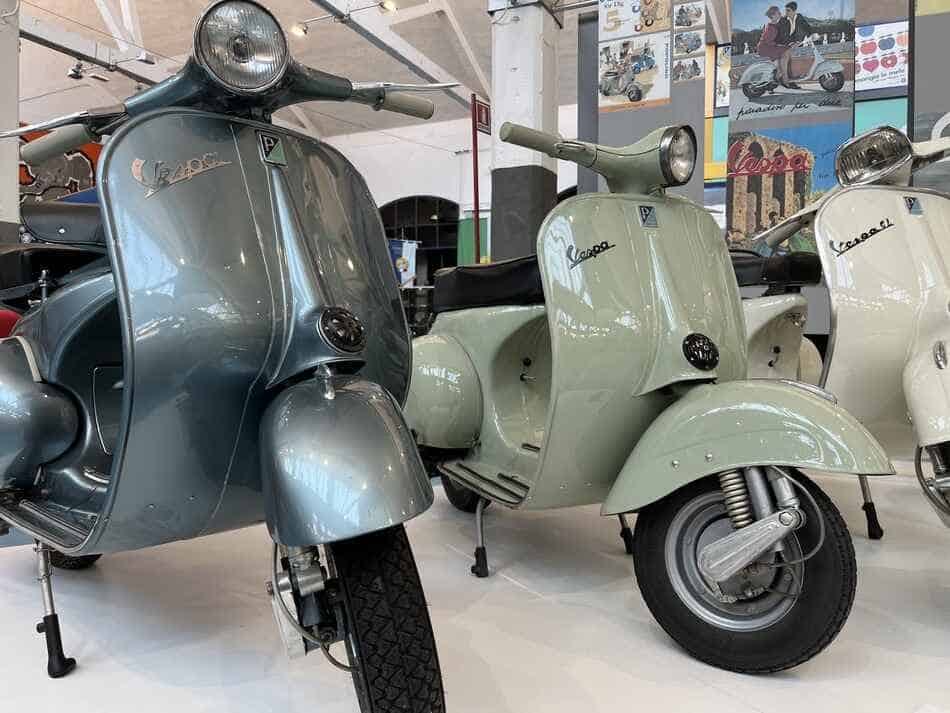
224	344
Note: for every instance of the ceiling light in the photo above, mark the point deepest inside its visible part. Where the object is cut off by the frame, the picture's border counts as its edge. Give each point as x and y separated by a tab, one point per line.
388	6
300	29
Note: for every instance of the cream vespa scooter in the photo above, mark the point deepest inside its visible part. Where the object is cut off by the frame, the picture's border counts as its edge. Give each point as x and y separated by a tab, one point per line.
886	261
611	368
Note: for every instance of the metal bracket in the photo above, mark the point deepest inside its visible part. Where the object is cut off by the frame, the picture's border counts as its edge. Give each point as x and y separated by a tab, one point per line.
722	559
549	5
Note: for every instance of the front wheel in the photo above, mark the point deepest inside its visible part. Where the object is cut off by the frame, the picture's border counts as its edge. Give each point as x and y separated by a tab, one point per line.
634	94
390	643
461	497
832	82
771	616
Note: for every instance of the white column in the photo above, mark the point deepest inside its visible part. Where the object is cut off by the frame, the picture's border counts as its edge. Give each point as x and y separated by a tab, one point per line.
9	98
524	79
524	91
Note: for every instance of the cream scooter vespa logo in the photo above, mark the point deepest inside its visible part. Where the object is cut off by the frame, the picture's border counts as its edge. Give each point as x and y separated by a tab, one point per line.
156	175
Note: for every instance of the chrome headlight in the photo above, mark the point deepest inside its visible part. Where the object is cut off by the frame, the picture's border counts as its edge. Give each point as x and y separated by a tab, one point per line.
678	155
872	156
241	45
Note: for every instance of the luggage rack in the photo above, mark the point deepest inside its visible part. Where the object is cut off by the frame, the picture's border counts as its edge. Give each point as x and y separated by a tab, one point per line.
510	490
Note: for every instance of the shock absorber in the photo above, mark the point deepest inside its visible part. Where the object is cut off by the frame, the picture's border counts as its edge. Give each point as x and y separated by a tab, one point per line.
738	505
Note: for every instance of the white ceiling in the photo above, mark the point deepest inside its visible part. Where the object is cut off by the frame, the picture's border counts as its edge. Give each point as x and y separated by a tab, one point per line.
167	28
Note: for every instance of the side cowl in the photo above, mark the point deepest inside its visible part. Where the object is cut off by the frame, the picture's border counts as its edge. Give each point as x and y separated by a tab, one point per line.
338	461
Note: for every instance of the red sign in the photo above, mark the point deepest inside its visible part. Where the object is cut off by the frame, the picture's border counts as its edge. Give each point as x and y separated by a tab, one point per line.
482	113
748	164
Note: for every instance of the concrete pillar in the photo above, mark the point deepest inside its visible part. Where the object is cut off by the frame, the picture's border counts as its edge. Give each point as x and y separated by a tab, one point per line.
524	91
9	99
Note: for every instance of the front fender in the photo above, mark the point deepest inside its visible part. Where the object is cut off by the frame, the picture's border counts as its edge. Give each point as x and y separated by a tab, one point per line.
338	461
716	427
828	66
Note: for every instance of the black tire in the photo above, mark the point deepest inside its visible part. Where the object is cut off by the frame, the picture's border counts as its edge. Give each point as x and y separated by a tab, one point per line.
809	625
461	497
832	82
391	646
752	92
61	561
634	94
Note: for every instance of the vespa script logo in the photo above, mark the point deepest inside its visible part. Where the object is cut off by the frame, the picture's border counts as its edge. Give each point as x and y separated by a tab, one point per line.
157	175
748	164
841	248
576	258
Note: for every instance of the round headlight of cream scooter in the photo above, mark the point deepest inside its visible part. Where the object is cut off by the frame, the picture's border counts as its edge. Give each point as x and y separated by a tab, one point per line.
874	156
242	46
678	155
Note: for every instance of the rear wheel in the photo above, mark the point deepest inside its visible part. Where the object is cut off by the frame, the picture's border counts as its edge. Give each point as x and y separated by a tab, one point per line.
772	616
61	561
752	92
390	643
832	82
461	497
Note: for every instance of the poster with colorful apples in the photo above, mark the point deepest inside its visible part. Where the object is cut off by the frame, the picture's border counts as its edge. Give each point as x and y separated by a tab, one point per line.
881	56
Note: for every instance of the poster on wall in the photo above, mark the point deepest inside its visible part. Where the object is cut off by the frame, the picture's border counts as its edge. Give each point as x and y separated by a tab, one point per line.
626	18
403	254
723	67
689	15
881	56
634	72
688	44
687	69
797	60
775	172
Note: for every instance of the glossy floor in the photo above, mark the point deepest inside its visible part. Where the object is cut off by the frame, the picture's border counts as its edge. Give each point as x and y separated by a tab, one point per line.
560	627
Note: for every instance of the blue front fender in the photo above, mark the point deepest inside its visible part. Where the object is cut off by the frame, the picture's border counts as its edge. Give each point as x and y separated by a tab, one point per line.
338	461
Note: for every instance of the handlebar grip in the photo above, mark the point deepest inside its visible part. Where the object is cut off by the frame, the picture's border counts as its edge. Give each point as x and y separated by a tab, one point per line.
408	104
56	142
529	138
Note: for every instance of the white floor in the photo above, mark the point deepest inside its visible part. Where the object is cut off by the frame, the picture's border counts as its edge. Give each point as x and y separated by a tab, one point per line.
560	627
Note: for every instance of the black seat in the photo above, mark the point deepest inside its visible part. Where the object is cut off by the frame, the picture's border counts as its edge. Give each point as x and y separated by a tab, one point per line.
22	264
510	282
788	270
63	223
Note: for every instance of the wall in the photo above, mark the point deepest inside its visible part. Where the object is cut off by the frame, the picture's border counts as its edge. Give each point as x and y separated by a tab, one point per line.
9	91
435	159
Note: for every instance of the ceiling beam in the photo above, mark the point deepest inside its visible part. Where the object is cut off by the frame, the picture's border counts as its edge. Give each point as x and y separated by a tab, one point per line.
374	27
55	37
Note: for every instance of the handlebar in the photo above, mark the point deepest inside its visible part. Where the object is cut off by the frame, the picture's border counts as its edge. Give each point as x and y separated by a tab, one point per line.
56	142
530	138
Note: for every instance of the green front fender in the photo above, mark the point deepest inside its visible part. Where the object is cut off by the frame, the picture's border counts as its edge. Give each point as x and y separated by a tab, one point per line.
716	427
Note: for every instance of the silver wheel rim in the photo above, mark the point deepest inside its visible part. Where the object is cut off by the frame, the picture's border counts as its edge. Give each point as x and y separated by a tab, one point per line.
703	520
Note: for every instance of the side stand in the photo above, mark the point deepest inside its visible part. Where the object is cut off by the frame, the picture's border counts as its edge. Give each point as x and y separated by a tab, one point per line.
58	665
626	534
875	531
480	568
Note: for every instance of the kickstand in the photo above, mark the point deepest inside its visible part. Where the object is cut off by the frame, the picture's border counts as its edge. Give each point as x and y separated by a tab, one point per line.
480	568
58	665
875	531
626	534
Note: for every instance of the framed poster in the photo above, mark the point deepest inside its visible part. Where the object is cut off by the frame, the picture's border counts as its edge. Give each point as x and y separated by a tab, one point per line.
723	83
688	68
626	18
634	72
881	56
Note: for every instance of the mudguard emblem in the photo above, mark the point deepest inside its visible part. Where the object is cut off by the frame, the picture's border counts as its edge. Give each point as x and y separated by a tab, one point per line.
157	175
576	258
648	216
272	149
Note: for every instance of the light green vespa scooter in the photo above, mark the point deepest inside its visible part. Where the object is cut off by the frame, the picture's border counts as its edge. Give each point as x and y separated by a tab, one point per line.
624	384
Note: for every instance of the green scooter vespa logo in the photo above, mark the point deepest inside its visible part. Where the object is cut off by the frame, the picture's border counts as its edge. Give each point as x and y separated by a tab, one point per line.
576	258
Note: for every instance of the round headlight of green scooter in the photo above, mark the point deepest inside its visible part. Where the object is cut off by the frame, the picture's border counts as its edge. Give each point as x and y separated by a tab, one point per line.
241	46
678	155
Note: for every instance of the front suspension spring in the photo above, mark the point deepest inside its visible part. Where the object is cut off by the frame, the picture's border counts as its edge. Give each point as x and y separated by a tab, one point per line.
738	505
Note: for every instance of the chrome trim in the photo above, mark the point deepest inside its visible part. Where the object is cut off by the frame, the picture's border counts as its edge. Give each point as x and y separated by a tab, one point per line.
880	174
77	117
197	52
664	149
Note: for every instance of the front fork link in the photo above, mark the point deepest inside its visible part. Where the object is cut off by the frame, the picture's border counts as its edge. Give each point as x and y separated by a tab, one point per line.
306	602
